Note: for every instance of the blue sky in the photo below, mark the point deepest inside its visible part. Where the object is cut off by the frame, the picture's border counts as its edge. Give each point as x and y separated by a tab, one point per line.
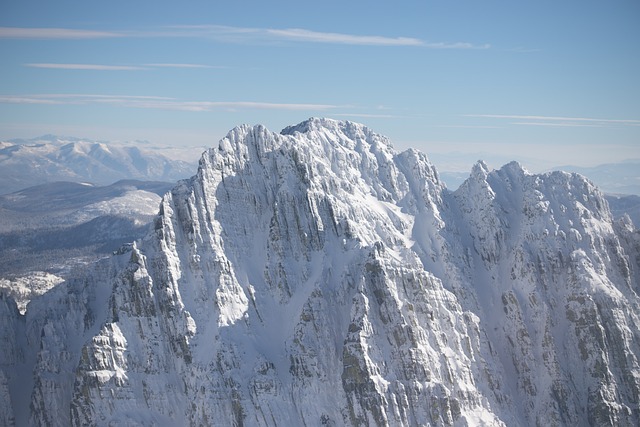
546	82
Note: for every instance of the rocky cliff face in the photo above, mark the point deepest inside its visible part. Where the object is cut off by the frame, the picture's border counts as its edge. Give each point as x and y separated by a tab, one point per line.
319	277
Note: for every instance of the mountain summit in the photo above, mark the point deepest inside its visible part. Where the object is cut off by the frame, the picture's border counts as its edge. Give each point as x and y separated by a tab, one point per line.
319	277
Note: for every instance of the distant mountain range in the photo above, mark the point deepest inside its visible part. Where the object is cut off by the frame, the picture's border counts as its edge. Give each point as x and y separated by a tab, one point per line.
612	178
28	162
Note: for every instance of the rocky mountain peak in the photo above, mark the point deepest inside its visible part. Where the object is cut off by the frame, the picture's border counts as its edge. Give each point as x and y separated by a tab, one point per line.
318	277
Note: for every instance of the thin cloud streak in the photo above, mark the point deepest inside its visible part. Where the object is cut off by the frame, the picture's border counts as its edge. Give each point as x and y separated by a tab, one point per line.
104	67
170	65
29	100
98	67
302	35
55	33
231	105
556	118
371	116
76	99
237	35
467	127
157	102
457	45
559	124
96	96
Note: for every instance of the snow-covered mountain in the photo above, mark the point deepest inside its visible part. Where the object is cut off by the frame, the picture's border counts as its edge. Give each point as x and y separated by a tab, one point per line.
319	277
26	163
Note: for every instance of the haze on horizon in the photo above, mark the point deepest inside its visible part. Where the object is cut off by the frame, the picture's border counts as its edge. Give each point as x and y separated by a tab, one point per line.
544	83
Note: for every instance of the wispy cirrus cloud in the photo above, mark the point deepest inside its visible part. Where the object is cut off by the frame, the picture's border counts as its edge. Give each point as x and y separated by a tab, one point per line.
562	124
105	67
77	99
228	105
224	33
370	116
302	35
55	33
456	45
158	102
467	126
533	120
174	65
20	99
100	67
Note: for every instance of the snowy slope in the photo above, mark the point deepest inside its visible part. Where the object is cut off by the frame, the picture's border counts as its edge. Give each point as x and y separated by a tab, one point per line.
55	226
319	277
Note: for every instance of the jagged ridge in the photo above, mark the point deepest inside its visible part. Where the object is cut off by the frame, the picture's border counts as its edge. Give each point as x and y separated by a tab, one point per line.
319	277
